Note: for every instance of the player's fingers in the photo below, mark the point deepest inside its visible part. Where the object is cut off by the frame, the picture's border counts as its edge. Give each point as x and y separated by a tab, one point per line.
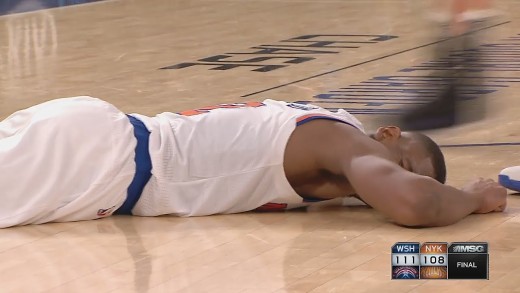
500	190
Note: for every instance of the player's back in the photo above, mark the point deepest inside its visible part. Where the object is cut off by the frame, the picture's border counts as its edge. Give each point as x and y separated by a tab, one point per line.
223	159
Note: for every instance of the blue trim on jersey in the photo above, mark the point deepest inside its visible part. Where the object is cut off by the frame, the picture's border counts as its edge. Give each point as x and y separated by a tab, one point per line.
308	119
143	167
312	199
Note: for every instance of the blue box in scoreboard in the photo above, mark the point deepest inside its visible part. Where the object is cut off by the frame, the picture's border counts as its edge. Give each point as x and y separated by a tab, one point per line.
406	247
405	260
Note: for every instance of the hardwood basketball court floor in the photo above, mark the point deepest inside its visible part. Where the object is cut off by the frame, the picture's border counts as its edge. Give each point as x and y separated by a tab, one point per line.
151	56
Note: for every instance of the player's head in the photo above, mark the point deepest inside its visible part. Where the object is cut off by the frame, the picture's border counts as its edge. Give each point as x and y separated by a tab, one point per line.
414	151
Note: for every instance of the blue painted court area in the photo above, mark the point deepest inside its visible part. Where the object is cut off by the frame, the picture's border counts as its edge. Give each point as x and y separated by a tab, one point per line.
19	6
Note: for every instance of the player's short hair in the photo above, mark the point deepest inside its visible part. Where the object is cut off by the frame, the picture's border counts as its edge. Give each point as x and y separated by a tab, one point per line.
437	157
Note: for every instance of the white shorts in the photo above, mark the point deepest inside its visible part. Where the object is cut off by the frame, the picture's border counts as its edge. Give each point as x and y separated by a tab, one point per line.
64	160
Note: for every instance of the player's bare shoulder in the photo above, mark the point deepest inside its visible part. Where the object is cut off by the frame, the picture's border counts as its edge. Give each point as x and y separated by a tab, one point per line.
326	144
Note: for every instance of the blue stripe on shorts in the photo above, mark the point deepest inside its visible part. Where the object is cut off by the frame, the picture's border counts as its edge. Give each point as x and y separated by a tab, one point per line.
143	167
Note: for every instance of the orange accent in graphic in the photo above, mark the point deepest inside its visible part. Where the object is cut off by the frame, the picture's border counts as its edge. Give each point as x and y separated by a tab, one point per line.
221	106
434	247
432	272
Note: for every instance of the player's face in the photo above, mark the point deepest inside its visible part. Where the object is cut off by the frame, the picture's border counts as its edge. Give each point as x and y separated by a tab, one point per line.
409	152
414	156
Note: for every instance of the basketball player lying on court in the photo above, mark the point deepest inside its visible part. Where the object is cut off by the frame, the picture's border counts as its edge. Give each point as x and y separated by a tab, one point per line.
81	158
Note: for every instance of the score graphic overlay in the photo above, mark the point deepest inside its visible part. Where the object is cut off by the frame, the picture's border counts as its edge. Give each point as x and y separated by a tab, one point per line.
440	260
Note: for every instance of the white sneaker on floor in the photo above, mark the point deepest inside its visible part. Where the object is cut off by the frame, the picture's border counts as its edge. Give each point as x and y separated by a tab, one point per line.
510	178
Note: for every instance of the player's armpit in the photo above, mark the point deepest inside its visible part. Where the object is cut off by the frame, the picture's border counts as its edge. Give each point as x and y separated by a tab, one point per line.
354	200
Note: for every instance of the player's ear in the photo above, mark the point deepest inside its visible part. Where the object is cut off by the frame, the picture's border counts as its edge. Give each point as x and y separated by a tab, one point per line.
388	133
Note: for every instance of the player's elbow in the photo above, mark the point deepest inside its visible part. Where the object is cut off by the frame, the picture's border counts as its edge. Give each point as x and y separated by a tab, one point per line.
412	219
419	211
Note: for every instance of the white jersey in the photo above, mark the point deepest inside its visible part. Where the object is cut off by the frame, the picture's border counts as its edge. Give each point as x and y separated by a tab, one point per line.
224	159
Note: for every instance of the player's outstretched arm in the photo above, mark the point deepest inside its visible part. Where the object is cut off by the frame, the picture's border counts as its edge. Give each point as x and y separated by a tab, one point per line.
407	198
414	200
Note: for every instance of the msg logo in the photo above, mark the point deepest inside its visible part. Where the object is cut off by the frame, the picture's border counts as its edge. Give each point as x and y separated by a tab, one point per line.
469	248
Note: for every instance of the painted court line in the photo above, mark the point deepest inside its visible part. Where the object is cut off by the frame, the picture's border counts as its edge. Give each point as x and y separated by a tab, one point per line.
365	62
465	145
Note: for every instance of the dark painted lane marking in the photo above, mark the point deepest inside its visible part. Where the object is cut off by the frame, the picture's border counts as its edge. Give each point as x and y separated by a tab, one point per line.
282	53
365	62
465	145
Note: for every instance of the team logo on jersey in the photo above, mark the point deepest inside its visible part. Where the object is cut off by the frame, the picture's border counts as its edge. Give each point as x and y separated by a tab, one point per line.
106	212
305	107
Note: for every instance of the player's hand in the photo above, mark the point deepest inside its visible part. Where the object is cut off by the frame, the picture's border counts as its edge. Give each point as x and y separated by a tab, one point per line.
492	196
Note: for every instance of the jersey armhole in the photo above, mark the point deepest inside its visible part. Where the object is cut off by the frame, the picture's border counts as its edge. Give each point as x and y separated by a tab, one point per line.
310	117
